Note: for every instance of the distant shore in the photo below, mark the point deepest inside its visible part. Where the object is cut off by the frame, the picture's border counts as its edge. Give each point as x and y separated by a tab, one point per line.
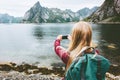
108	23
32	72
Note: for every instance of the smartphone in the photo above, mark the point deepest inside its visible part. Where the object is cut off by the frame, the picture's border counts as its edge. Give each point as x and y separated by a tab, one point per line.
65	37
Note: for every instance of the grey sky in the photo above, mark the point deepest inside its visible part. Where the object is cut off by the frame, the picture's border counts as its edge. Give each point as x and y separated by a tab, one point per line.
19	7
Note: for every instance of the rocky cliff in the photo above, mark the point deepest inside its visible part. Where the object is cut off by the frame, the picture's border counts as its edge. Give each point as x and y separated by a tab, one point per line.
39	14
108	12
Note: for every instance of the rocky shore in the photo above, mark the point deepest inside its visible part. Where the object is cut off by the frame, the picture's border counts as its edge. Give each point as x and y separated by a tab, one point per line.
12	71
13	75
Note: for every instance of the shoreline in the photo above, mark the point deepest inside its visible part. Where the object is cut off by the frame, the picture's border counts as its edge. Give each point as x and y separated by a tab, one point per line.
32	69
108	22
101	22
24	71
27	71
14	75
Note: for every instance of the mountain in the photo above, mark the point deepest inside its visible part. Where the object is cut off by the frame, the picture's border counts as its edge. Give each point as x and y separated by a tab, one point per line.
5	18
108	12
39	14
85	12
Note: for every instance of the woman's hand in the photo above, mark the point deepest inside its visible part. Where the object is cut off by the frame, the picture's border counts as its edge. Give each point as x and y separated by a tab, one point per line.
69	37
59	37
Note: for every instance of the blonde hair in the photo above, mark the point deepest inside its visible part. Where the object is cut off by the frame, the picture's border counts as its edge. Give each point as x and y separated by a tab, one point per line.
81	36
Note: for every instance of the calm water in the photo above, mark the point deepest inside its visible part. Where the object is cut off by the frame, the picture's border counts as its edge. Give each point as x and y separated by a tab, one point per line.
33	43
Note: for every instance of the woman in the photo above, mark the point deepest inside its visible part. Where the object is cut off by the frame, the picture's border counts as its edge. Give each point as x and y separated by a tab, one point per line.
80	37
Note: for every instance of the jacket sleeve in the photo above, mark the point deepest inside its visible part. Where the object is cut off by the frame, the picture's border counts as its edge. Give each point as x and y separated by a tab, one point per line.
60	51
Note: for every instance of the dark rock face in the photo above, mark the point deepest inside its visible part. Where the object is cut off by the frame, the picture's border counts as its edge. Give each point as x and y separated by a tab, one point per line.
117	6
39	14
110	8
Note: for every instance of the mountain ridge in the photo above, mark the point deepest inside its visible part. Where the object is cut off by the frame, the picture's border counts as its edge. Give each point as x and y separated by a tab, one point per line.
39	14
109	11
6	18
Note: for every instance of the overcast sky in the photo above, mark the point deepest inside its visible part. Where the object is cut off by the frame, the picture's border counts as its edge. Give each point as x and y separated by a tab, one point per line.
19	7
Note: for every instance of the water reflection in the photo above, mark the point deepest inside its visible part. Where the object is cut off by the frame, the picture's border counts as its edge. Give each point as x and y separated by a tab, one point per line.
110	42
111	34
38	32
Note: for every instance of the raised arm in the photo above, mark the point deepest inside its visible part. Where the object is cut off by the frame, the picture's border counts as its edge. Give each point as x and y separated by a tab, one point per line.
60	51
